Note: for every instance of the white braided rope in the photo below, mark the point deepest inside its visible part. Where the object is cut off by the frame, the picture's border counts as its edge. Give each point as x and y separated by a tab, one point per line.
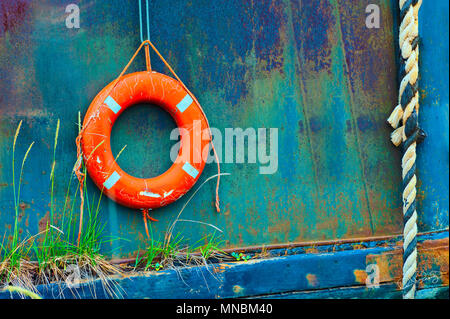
410	227
408	32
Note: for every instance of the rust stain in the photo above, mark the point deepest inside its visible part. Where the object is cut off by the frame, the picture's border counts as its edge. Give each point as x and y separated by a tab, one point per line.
360	276
22	207
358	246
238	290
43	222
221	268
311	250
433	263
13	14
280	227
312	280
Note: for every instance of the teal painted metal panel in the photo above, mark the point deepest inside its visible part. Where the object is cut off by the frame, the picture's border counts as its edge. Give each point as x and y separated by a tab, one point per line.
310	69
432	158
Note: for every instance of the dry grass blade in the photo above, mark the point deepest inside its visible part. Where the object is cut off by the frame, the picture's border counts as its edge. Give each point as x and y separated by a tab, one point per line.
22	291
54	148
199	222
172	226
26	153
17	134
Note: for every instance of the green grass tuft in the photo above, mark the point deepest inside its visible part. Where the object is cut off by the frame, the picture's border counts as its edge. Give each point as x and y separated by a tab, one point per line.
44	257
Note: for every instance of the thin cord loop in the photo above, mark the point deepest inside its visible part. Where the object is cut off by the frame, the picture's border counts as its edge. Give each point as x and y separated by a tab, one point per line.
217	204
147	51
148	23
140	22
145	216
147	20
147	58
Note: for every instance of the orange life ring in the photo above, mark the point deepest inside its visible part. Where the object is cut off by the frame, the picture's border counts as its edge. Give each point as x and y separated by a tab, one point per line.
134	88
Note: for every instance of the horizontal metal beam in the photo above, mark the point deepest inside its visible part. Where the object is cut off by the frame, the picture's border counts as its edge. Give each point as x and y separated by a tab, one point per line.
277	275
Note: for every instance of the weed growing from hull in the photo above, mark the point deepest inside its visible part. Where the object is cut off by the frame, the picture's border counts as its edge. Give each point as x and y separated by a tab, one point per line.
46	256
174	252
179	252
14	255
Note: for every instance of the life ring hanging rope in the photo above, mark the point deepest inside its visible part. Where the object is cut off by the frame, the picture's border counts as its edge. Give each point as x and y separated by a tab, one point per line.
93	144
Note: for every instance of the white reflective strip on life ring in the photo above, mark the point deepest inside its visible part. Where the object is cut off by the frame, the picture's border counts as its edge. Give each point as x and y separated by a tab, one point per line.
188	168
112	104
112	180
184	103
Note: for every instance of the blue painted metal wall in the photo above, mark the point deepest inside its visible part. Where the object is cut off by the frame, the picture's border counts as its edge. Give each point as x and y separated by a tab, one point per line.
309	68
433	160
